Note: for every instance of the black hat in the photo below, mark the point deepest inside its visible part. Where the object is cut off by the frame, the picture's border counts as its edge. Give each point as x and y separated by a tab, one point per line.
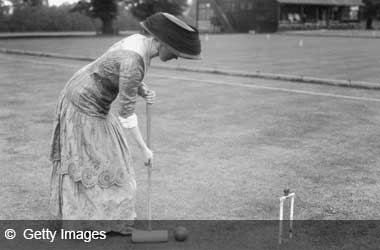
181	38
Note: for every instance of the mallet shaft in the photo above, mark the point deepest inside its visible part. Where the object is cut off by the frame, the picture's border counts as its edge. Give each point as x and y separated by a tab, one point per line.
149	167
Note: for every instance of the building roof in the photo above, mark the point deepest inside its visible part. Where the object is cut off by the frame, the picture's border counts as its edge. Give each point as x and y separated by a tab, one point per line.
324	2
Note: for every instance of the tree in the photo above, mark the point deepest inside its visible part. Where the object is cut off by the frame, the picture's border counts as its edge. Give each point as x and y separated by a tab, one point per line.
33	2
370	12
3	7
142	9
215	22
105	10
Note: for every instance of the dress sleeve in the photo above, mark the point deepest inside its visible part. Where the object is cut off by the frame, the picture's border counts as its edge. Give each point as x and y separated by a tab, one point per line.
130	77
143	90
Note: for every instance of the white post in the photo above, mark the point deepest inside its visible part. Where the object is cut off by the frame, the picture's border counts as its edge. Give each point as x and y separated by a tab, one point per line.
280	220
291	216
281	216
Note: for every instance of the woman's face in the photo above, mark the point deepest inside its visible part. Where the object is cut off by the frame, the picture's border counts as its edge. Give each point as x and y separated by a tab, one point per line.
165	54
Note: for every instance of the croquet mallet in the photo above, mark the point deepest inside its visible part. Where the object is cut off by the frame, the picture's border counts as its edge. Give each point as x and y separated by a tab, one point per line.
152	236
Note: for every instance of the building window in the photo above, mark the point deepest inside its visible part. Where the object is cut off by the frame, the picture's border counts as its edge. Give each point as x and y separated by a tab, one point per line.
249	5
230	5
233	6
242	5
205	11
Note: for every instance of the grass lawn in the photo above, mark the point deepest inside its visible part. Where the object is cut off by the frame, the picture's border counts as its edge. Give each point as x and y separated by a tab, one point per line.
325	57
225	147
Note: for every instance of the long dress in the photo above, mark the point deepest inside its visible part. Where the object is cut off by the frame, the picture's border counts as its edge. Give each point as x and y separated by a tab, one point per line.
92	175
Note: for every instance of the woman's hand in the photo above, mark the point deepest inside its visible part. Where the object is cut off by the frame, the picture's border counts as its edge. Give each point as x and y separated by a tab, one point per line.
150	96
148	156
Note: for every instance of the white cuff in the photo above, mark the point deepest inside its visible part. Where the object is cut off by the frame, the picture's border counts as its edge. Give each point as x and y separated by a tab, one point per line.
129	122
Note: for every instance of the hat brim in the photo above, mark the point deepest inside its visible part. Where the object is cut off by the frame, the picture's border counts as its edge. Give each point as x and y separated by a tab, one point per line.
173	50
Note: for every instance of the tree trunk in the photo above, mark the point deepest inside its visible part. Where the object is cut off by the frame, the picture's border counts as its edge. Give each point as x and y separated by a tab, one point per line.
368	25
107	27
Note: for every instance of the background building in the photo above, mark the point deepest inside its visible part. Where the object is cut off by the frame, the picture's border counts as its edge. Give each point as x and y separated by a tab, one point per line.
272	15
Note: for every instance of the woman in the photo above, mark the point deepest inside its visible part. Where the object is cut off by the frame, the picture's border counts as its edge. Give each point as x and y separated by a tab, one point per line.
92	176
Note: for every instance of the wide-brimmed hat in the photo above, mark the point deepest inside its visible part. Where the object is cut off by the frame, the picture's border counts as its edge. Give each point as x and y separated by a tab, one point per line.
179	37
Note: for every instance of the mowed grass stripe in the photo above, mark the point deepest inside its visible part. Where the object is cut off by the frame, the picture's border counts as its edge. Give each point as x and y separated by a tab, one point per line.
296	91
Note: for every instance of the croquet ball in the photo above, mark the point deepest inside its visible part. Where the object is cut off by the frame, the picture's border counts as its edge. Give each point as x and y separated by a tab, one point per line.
180	233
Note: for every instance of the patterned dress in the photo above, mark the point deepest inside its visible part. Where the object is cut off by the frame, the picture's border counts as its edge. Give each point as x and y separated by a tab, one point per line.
92	176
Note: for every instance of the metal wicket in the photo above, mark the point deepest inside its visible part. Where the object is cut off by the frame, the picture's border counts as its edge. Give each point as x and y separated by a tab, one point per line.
282	199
